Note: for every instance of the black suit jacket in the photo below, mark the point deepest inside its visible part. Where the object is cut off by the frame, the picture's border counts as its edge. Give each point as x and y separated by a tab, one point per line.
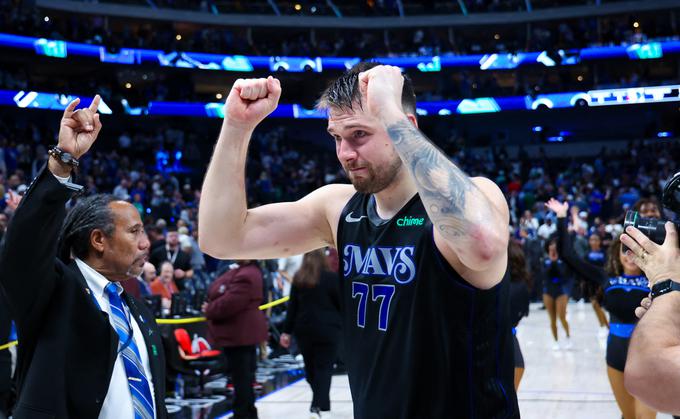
315	312
67	347
160	255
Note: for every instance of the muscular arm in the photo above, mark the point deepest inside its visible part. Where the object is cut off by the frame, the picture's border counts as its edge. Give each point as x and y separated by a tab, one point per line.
652	371
227	228
470	215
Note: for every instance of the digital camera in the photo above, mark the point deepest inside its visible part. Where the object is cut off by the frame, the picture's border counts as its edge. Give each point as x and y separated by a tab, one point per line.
653	228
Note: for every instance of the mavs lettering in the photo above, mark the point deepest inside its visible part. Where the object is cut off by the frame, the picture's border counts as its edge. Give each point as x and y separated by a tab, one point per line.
396	262
627	283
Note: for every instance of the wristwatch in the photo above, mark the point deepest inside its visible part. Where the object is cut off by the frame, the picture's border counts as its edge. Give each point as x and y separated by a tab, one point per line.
63	157
664	287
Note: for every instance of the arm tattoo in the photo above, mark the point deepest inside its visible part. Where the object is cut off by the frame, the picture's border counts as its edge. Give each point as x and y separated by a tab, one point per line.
446	191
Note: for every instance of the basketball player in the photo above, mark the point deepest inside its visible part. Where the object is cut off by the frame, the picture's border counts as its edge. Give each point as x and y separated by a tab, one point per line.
423	248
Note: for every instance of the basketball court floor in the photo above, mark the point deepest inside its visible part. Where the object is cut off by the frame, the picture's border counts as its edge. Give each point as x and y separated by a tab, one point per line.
562	384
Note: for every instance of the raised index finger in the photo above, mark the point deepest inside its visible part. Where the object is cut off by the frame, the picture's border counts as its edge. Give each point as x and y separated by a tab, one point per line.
71	106
95	103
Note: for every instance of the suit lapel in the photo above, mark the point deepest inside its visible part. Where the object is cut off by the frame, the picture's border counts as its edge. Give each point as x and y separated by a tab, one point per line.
113	347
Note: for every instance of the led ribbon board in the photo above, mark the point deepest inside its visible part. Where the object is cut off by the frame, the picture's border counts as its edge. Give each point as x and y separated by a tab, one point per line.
602	97
245	64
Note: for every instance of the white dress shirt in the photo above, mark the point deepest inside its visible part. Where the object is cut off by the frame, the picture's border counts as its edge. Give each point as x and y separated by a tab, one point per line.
118	401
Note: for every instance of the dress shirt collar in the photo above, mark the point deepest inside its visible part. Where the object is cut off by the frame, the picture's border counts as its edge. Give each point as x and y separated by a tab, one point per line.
96	281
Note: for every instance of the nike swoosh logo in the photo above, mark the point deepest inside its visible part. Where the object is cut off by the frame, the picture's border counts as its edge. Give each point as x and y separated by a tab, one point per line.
351	219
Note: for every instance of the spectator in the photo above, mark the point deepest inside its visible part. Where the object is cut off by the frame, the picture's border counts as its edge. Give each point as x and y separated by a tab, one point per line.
146	278
171	252
288	267
314	319
237	325
164	285
547	229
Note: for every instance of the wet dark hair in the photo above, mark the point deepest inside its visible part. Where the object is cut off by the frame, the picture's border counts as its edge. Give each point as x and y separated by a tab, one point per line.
89	214
344	93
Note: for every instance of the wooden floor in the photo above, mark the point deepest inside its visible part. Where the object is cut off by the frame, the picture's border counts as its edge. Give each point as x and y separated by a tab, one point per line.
562	384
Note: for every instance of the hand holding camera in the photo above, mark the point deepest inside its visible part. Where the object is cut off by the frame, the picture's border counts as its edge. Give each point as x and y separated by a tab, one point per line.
659	262
653	243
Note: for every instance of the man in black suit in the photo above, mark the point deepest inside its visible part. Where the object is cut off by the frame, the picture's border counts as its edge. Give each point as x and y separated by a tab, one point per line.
87	350
173	253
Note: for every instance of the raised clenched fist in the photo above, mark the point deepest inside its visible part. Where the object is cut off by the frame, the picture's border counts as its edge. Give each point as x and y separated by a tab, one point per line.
250	101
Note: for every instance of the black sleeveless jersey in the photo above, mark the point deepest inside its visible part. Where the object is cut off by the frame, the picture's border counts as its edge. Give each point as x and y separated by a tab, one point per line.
420	342
622	295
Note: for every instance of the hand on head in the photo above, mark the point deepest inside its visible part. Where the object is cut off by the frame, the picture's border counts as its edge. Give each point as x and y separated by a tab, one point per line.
381	88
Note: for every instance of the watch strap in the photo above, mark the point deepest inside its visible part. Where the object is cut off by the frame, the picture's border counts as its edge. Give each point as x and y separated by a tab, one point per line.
63	157
664	287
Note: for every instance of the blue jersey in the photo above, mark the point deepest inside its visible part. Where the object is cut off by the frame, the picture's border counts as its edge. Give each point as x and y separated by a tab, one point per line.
596	257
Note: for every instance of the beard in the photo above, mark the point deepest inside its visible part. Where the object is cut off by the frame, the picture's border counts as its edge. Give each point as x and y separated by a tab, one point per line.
375	180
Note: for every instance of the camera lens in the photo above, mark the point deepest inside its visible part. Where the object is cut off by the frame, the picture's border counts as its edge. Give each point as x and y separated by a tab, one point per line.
653	228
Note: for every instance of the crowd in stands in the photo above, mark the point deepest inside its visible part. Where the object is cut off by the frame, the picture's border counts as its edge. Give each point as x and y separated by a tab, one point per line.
283	169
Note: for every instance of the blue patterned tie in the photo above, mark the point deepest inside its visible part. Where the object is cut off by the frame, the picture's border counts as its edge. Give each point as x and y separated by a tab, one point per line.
140	390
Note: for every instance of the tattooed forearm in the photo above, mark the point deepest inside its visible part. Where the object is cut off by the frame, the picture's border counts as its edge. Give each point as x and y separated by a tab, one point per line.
452	200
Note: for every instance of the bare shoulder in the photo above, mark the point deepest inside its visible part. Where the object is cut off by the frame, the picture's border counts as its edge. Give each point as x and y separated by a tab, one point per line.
332	199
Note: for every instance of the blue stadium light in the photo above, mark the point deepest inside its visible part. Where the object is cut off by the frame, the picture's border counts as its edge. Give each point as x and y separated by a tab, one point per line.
603	97
558	139
39	100
537	128
56	49
650	51
664	134
427	67
480	105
